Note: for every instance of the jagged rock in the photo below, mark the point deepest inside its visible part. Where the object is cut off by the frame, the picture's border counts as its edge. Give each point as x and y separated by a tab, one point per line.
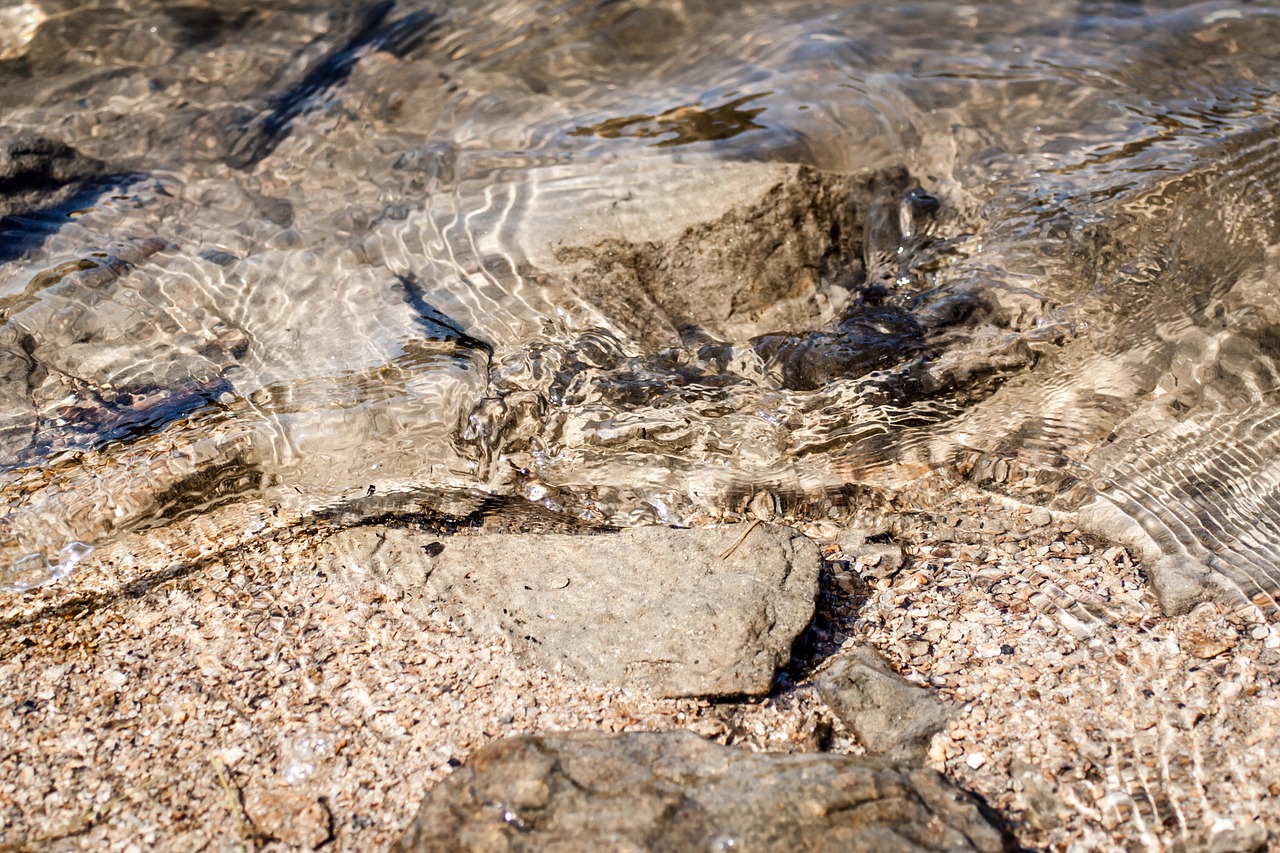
866	541
890	715
671	611
675	791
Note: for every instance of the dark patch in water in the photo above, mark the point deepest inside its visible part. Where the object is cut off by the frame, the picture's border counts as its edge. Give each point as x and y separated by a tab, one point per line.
257	140
682	125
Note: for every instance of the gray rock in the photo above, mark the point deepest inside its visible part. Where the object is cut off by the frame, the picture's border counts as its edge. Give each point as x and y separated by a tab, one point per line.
1180	572
881	559
1181	583
859	530
675	791
891	716
651	607
732	248
1040	517
36	171
994	525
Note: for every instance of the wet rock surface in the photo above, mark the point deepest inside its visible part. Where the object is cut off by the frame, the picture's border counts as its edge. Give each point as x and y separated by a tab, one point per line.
605	608
38	172
890	715
728	251
676	791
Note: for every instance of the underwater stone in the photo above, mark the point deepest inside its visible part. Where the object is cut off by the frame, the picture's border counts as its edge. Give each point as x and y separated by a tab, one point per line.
890	715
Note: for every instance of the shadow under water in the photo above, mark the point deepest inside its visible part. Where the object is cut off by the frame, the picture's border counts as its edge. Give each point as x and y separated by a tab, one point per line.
631	261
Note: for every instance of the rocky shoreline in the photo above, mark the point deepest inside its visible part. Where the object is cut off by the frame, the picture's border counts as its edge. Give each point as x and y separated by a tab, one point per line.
263	698
956	369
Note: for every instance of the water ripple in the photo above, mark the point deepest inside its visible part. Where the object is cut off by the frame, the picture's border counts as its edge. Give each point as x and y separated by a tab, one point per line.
631	261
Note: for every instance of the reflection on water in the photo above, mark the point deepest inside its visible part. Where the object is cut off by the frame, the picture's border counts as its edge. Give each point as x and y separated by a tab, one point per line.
630	260
682	125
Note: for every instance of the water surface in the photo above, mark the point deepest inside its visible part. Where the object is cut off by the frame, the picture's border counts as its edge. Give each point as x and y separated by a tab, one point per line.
637	262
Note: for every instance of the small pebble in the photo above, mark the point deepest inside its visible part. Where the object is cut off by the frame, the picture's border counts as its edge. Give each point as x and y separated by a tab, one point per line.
763	507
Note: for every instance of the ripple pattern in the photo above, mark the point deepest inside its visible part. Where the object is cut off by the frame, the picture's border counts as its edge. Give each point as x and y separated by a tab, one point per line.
632	261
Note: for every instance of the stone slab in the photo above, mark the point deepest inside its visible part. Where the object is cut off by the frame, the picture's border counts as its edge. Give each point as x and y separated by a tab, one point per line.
670	611
890	715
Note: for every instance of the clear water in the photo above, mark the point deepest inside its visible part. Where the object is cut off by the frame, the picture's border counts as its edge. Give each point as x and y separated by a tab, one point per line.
413	255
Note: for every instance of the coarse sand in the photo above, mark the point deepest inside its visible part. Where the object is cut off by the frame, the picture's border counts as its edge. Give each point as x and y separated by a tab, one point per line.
179	694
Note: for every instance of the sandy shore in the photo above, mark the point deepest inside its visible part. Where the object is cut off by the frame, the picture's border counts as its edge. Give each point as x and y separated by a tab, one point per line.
171	696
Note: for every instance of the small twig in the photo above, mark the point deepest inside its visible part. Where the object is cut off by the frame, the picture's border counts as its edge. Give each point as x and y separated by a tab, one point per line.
233	803
724	555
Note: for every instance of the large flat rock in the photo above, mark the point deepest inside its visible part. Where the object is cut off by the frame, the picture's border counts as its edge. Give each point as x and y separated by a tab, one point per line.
657	608
676	791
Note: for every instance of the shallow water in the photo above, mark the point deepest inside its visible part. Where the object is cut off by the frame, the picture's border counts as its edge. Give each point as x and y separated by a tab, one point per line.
638	262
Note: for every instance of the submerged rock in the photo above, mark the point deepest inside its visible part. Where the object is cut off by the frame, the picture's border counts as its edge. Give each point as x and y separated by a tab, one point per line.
676	791
39	172
729	249
675	612
890	715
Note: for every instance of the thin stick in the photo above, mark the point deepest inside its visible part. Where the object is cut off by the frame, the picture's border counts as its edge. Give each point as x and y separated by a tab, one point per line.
233	803
724	555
